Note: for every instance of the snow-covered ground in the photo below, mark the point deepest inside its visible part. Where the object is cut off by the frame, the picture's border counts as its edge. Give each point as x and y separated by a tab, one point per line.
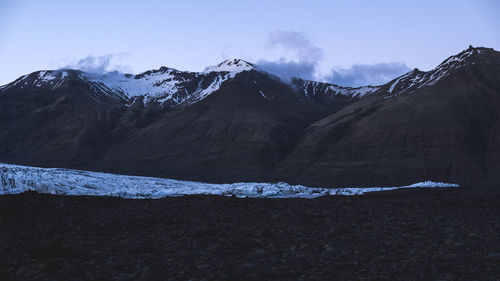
17	179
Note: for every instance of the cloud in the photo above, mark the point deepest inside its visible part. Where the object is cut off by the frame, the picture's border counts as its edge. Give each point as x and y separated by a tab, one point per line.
288	69
307	53
366	74
310	55
97	64
356	75
297	42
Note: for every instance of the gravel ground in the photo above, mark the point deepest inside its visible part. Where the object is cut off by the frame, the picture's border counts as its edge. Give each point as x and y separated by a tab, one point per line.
426	234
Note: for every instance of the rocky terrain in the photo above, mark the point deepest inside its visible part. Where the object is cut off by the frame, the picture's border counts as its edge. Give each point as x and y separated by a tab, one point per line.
427	234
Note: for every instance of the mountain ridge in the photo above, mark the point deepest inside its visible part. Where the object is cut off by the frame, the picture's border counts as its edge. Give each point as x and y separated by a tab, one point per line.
165	84
246	125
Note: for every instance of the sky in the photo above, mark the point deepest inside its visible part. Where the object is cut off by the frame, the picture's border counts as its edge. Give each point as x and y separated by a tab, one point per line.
350	43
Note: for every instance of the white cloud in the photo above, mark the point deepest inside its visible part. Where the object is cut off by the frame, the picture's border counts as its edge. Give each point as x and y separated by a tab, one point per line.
309	56
297	42
97	64
367	74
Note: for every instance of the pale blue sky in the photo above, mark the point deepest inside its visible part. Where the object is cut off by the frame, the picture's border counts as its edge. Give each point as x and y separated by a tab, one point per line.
316	36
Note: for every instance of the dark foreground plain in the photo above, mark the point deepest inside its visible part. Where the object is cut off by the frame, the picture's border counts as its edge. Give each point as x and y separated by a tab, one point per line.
427	234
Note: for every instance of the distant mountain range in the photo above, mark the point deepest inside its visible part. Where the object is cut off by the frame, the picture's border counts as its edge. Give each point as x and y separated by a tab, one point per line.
234	122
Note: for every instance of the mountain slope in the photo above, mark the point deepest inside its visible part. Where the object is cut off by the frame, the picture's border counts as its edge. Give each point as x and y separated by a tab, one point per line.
442	124
162	123
170	87
234	122
238	133
54	115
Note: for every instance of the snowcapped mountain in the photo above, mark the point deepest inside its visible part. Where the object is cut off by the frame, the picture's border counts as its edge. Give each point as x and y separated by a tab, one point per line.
443	123
233	122
166	86
233	67
173	88
416	79
39	79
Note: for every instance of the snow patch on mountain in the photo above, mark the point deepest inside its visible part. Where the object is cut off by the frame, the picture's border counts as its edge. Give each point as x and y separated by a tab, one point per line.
312	89
39	79
262	94
233	66
167	84
17	179
202	93
17	81
150	86
417	79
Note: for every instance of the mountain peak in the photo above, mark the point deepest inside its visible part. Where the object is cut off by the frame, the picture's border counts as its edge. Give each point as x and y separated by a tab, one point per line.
469	56
417	79
230	65
41	78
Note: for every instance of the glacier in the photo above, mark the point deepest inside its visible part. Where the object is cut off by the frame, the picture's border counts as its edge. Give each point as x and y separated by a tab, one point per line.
16	179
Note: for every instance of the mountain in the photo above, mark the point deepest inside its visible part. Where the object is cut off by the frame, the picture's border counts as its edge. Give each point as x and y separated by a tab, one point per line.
165	86
234	122
441	124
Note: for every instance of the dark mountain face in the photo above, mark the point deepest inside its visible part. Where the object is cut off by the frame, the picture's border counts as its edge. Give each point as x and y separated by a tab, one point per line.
53	119
233	123
249	124
240	133
334	96
439	125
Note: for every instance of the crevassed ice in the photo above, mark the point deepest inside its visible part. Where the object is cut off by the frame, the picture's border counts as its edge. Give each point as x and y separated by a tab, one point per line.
17	179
